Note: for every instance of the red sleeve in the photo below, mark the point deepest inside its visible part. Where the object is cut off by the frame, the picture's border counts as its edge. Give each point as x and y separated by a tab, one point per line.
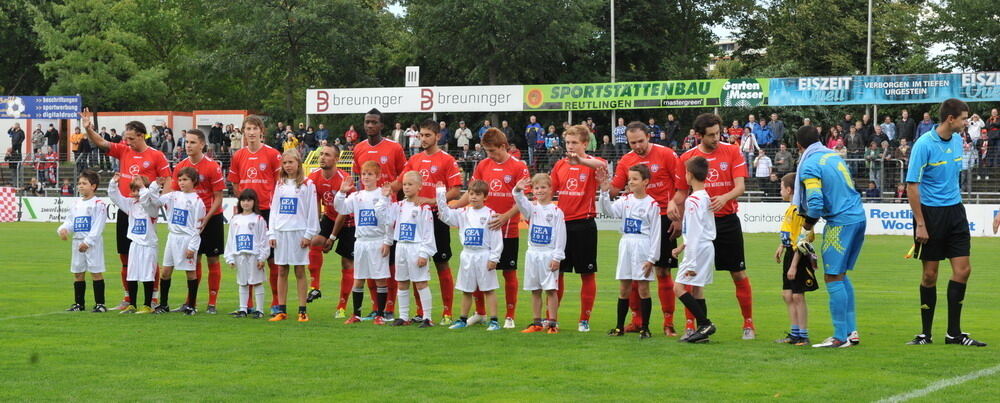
400	158
277	164
680	175
234	166
117	149
218	183
163	168
621	175
738	163
402	171
454	175
556	182
524	172
475	171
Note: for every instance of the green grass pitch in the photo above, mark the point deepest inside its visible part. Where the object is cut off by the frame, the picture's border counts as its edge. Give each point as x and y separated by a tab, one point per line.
50	355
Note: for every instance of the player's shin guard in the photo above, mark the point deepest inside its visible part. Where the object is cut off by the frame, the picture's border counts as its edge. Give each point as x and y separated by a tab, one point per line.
852	321
687	311
99	292
479	299
510	291
133	290
668	301
193	292
956	296
315	264
404	304
273	280
447	290
390	302
258	293
373	294
214	282
424	296
147	287
928	301
346	282
561	288
838	309
745	297
695	308
588	292
244	295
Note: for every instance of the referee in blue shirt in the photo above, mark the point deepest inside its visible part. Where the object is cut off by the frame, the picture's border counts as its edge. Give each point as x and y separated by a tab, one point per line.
941	228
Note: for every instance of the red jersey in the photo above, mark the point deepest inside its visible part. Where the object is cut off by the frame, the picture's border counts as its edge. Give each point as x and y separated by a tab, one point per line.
515	152
433	168
210	179
724	164
662	161
502	178
387	153
577	189
326	189
150	163
256	170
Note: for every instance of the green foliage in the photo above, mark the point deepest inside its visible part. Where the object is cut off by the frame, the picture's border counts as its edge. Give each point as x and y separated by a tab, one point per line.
970	29
19	73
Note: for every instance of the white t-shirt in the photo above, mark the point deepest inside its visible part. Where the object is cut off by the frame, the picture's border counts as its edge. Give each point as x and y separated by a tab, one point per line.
294	208
247	235
368	208
473	226
548	225
640	217
412	223
763	166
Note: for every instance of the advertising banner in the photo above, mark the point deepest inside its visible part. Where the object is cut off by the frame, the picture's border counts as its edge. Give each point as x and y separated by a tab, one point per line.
498	98
744	93
894	89
46	107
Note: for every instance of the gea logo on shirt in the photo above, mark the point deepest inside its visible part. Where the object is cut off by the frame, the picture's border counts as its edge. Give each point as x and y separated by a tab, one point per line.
289	205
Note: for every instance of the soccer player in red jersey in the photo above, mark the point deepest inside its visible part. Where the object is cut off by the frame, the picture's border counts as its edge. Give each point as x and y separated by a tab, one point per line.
256	166
209	189
573	179
436	166
661	161
725	182
390	157
135	158
328	180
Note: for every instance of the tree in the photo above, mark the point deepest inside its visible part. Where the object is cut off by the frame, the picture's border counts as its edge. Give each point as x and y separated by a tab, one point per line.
19	73
970	29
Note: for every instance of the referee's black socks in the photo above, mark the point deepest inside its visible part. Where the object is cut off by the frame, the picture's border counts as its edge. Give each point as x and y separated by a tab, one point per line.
928	301
79	292
956	295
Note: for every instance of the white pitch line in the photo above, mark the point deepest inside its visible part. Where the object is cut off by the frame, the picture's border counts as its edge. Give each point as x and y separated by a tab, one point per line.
944	383
32	316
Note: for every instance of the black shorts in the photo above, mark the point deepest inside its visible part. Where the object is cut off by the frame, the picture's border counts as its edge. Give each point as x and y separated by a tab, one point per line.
325	226
345	242
729	244
508	258
442	239
213	241
805	276
266	214
121	228
581	247
667	245
948	232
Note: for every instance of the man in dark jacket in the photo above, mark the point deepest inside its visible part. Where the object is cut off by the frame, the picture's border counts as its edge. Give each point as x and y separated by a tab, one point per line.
16	139
777	127
845	125
52	138
925	125
215	138
906	127
671	129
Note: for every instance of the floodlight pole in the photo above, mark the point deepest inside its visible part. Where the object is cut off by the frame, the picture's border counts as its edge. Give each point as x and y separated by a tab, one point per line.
868	63
613	114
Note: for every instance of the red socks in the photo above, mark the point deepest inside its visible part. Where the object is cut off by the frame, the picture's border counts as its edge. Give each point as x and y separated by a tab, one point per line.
561	288
588	292
668	301
315	264
372	293
687	313
273	280
635	305
510	291
745	297
447	290
214	281
390	302
346	284
124	259
477	297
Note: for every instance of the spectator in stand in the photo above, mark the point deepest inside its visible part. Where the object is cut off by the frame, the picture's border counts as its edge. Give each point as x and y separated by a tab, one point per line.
324	135
167	144
464	161
66	189
351	137
445	133
482	130
301	132
478	155
691	140
16	139
783	160
398	134
33	188
12	163
764	133
735	132
551	138
872	194
762	167
215	139
115	137
463	136
835	136
52	139
886	156
236	139
513	151
37	140
925	125
590	125
309	142
873	161
84	154
976	126
280	129
854	142
777	128
879	136
846	124
606	150
619	139
992	149
889	129
899	196
865	127
413	139
903	153
772	187
968	165
50	168
532	133
512	137
291	143
748	144
672	131
754	128
656	132
592	138
906	127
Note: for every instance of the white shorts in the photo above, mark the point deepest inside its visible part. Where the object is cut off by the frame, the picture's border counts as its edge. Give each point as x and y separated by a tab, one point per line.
632	253
697	267
473	272
368	260
537	275
247	272
174	255
289	250
92	260
406	263
141	263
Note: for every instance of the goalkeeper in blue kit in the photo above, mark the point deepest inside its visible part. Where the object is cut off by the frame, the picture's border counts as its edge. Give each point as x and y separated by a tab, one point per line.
824	189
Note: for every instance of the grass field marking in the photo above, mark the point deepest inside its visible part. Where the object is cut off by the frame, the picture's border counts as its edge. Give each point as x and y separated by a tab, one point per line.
944	383
32	316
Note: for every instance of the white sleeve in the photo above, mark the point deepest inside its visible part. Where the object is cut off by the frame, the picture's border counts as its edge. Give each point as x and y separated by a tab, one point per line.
524	205
97	227
116	197
387	219
559	236
428	247
312	211
199	212
229	252
272	217
67	223
260	236
692	223
446	214
149	199
496	244
606	207
653	215
343	204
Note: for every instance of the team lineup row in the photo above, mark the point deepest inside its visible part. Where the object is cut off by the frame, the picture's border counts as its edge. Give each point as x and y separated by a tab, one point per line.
390	244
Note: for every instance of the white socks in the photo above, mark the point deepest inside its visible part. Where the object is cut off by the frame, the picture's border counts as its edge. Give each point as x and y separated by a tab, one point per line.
404	304
244	294
425	301
258	297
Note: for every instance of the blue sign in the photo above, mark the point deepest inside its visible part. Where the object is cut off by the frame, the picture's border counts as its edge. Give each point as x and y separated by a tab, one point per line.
179	217
541	235
632	226
366	218
53	107
407	231
244	242
81	224
473	237
139	226
894	89
289	205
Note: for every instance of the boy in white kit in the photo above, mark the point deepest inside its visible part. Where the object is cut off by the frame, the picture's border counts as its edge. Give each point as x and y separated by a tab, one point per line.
371	246
411	225
247	251
699	252
86	221
481	249
184	213
141	209
639	246
546	248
